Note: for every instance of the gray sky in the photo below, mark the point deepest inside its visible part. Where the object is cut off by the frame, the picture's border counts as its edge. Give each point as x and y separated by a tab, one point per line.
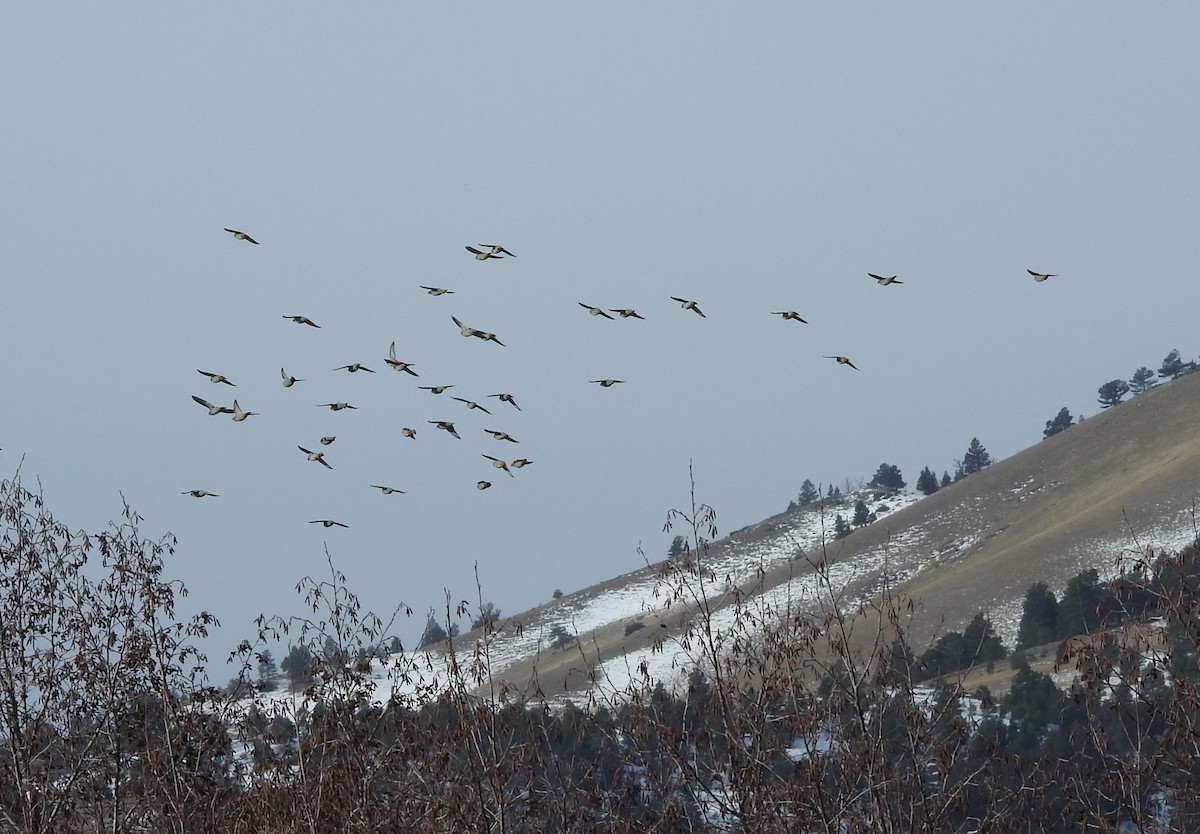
752	161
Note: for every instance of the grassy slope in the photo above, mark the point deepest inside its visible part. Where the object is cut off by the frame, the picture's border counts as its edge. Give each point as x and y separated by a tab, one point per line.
1115	482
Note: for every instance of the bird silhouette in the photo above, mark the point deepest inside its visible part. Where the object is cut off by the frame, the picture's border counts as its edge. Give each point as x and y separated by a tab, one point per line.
506	398
471	405
241	236
213	410
328	522
1040	276
689	305
884	280
387	490
215	377
595	311
396	364
200	493
319	457
842	360
444	425
437	290
239	415
303	320
288	379
607	383
790	314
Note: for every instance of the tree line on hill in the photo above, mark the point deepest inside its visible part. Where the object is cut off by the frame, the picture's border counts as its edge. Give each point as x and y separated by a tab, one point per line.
977	458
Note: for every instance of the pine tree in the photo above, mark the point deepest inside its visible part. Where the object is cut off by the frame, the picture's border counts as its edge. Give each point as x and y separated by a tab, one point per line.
861	514
927	482
1039	617
1060	422
678	547
1142	380
808	493
840	528
1112	392
946	479
976	459
1172	366
888	477
490	615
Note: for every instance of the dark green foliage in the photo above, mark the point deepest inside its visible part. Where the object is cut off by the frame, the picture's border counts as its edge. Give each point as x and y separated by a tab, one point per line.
434	632
560	636
808	494
1112	392
1085	605
1061	421
946	479
976	459
927	482
557	594
861	514
954	652
1039	617
887	477
298	664
1173	366
840	528
490	615
1142	380
678	547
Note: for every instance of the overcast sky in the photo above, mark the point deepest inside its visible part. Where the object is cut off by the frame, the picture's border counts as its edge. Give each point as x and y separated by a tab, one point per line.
753	161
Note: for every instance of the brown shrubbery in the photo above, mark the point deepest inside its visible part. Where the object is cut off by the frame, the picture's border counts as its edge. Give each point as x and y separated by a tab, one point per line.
791	722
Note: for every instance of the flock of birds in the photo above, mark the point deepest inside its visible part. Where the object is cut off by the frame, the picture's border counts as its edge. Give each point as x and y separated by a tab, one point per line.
484	252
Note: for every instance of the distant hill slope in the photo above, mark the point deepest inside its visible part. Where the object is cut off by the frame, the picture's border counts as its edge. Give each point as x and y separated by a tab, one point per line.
1123	479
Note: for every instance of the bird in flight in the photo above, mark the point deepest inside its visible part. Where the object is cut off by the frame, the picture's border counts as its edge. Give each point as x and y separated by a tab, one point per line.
396	363
288	379
328	522
790	314
497	250
319	457
200	493
1040	276
689	305
519	462
444	425
506	398
437	290
626	313
471	404
303	320
501	435
464	330
500	464
354	367
213	410
842	360
595	311
884	280
239	415
327	439
387	490
215	377
241	236
483	256
407	432
337	406
435	389
482	484
607	383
